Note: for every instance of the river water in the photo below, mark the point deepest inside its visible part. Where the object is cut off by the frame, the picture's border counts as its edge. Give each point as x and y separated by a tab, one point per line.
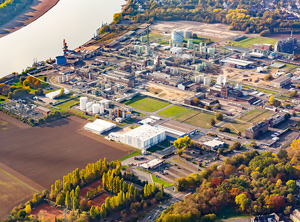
73	20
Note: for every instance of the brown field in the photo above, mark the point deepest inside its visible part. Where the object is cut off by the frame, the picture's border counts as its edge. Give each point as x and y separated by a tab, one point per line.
89	187
46	212
47	153
98	201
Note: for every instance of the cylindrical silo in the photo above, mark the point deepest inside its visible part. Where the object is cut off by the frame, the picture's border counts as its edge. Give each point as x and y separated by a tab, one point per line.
89	107
101	109
96	108
188	34
83	101
177	35
207	81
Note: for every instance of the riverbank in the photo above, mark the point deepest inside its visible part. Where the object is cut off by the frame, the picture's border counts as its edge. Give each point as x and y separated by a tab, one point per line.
30	14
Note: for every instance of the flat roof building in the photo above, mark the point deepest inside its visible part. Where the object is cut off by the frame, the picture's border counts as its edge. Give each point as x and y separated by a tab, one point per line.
214	144
152	164
142	137
281	81
99	126
238	63
256	130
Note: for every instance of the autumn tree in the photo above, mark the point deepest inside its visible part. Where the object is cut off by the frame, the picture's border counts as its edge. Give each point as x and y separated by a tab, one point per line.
242	200
212	122
219	116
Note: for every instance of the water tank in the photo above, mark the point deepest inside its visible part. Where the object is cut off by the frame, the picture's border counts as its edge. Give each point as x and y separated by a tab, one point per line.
190	43
211	50
141	49
96	108
188	34
197	79
89	107
239	86
61	60
207	81
101	109
83	101
177	35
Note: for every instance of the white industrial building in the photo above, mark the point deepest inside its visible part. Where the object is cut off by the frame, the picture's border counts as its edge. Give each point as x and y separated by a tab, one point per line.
99	126
152	164
142	137
53	95
176	50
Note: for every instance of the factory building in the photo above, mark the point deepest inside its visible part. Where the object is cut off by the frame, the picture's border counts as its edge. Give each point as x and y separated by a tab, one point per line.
142	137
256	130
214	144
286	45
120	77
237	63
262	46
275	119
281	81
53	95
99	126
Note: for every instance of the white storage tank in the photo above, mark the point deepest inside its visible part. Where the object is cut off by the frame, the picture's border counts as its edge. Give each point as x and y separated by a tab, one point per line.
177	35
188	34
207	81
239	86
83	101
89	107
101	111
96	108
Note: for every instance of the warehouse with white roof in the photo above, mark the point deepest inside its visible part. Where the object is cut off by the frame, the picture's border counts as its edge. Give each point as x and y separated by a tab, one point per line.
99	126
54	94
142	137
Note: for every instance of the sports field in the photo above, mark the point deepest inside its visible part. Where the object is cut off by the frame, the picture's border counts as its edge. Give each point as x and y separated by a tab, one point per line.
146	103
185	115
248	42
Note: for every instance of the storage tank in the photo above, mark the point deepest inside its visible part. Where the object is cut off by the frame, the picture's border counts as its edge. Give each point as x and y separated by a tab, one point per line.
171	43
137	48
239	86
207	81
190	43
177	35
83	101
101	111
96	108
59	79
61	60
141	49
197	79
143	39
211	50
89	107
203	49
188	34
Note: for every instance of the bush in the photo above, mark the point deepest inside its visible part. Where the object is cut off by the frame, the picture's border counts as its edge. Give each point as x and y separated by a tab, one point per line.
265	33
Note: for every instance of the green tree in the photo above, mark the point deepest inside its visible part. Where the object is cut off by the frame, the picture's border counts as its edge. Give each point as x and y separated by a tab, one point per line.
75	203
291	184
242	200
68	200
60	199
219	116
77	191
28	209
212	122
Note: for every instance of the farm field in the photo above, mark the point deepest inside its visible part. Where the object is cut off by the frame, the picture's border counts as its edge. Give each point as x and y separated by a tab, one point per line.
47	153
14	191
146	103
192	117
248	42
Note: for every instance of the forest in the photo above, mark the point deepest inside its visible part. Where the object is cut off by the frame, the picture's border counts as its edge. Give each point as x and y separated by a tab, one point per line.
247	15
11	8
251	183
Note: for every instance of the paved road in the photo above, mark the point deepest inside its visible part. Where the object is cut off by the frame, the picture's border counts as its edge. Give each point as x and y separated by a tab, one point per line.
156	212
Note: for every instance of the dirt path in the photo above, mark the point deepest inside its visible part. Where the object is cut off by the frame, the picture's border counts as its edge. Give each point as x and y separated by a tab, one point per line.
32	13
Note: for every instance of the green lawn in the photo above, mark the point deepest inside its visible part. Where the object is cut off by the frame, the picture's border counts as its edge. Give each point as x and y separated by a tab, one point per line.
255	116
248	42
260	89
192	117
237	126
160	181
164	144
173	111
2	99
135	153
146	103
230	213
155	35
65	106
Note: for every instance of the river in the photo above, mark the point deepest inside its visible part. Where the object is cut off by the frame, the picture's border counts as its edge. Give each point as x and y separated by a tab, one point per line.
73	20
